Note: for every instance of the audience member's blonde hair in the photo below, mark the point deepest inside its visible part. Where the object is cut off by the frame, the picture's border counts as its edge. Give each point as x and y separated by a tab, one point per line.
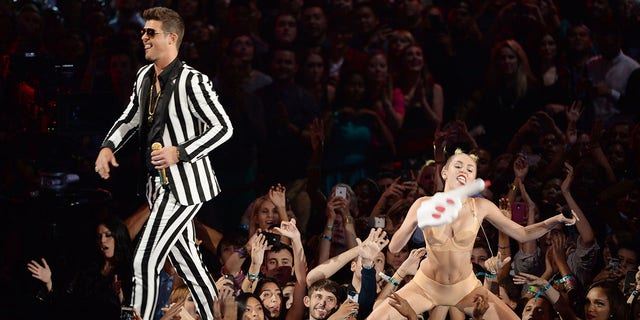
179	293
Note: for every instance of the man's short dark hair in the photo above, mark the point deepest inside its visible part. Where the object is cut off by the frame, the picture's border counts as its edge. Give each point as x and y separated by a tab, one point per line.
326	285
171	20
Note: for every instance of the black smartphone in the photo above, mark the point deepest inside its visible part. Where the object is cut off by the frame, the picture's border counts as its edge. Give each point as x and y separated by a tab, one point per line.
126	313
272	238
629	281
406	176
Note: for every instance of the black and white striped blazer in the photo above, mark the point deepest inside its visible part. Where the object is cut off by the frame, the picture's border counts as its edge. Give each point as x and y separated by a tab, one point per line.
195	121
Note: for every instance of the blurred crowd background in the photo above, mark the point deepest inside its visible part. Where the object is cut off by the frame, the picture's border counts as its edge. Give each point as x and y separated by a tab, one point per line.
359	92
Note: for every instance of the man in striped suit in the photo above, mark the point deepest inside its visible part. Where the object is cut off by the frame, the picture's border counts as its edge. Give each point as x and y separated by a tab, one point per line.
179	121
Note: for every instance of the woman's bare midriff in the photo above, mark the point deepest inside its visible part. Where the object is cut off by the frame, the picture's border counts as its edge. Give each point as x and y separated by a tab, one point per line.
447	267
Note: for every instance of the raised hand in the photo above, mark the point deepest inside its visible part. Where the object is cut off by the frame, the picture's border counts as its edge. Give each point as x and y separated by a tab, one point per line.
573	112
225	289
495	263
288	229
526	278
174	310
520	167
347	310
373	244
337	205
277	195
394	191
410	266
258	247
505	207
551	267
558	245
41	272
566	183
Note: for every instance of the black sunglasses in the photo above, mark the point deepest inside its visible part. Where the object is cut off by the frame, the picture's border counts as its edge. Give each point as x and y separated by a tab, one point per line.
151	32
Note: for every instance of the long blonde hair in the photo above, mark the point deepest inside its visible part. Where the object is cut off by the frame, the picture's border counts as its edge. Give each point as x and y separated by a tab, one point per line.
523	77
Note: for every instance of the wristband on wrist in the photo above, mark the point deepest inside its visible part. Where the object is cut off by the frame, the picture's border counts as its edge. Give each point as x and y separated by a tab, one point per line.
533	290
348	219
486	275
367	266
326	237
543	290
567	281
329	228
253	276
390	279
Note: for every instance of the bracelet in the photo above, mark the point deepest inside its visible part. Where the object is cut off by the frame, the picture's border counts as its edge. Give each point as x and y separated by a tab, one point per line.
540	292
326	237
330	228
252	276
514	187
533	290
567	281
390	279
348	219
486	275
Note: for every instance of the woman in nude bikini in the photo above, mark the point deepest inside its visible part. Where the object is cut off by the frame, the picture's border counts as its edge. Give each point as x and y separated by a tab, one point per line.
447	277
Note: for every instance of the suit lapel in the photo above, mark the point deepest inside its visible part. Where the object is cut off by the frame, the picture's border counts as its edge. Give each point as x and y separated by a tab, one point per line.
144	98
167	95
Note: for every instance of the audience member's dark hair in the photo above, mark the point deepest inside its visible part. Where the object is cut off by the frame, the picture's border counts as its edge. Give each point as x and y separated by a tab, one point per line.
241	302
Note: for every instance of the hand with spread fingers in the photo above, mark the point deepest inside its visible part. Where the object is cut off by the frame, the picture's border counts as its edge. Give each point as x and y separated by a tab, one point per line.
41	272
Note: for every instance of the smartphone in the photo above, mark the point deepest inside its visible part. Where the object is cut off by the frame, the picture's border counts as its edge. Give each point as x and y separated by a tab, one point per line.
272	239
341	192
629	281
406	176
377	222
126	313
352	295
519	212
614	263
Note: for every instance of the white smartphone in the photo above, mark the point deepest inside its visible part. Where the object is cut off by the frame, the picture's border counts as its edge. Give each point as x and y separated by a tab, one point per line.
341	192
379	222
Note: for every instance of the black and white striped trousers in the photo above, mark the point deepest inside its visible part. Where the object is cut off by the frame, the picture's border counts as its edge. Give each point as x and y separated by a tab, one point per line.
169	232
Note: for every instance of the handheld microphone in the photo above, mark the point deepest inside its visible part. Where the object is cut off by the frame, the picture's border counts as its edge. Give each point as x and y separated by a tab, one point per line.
163	174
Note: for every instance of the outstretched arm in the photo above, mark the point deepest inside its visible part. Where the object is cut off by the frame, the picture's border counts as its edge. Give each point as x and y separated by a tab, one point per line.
290	230
331	266
516	231
582	224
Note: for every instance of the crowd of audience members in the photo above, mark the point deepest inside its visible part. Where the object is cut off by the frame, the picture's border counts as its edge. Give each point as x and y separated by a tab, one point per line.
370	96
